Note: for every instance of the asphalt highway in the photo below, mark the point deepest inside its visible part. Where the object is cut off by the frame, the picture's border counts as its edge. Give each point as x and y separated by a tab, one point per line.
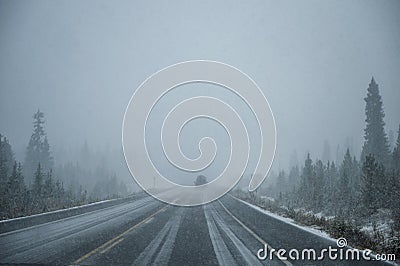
148	232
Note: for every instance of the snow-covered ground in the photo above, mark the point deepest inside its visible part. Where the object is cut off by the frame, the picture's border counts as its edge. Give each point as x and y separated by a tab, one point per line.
313	229
57	211
382	227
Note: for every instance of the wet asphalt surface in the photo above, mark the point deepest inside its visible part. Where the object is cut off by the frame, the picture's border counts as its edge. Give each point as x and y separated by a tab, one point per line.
148	232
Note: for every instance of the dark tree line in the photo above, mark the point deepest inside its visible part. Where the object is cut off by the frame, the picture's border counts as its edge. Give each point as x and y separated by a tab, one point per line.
31	187
352	188
39	192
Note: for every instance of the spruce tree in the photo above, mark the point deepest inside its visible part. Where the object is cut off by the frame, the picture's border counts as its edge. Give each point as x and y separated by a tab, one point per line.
46	158
48	188
373	175
38	182
393	189
344	183
281	183
59	194
376	141
294	177
355	180
22	192
318	200
16	191
16	184
306	191
393	184
6	159
396	154
331	189
38	150
48	191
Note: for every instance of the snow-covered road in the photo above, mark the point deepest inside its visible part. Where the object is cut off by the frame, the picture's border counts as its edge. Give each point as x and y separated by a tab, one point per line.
145	232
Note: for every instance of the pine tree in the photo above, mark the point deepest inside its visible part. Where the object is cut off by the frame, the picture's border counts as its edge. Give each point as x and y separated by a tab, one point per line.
16	184
318	200
6	159
38	150
46	158
393	189
48	191
396	154
48	187
59	194
331	189
16	191
349	184
306	190
391	140
393	183
294	176
281	182
38	183
355	180
373	175
376	141
22	192
344	182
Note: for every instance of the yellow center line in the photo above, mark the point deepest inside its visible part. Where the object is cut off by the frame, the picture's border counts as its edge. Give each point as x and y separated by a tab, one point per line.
104	246
112	245
253	233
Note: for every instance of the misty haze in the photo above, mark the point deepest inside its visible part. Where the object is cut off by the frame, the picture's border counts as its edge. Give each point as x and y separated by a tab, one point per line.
330	73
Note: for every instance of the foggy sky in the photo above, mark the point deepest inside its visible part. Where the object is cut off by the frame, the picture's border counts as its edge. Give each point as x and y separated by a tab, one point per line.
80	62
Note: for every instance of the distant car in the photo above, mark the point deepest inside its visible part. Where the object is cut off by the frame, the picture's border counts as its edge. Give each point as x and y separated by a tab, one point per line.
200	180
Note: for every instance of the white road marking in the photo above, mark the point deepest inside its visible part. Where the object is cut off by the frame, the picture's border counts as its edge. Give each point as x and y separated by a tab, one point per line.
246	254
165	238
221	251
254	234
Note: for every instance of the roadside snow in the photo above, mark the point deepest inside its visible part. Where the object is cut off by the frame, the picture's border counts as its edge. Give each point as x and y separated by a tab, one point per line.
56	211
268	198
314	230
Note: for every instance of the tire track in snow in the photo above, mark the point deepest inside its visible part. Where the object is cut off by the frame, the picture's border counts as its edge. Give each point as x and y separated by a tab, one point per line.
160	248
